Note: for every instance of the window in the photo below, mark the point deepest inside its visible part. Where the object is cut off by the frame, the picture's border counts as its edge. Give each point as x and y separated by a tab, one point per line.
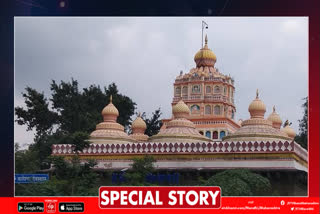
195	109
215	135
224	90
201	132
222	134
178	91
208	89
217	110
232	114
208	134
217	89
196	89
207	109
185	90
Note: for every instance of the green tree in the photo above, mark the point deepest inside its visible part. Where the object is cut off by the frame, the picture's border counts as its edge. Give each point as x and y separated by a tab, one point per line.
72	109
69	179
38	116
26	161
74	113
139	169
302	137
154	123
240	182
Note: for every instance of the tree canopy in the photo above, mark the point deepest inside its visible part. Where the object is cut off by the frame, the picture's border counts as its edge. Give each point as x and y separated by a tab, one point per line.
240	182
71	109
154	123
302	137
69	179
139	169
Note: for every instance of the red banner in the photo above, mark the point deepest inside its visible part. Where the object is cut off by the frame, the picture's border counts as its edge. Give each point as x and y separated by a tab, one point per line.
227	204
159	197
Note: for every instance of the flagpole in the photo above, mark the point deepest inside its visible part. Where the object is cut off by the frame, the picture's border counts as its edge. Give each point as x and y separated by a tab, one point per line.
204	24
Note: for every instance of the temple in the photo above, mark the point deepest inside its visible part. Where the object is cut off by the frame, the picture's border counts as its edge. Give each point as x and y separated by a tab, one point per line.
209	95
202	135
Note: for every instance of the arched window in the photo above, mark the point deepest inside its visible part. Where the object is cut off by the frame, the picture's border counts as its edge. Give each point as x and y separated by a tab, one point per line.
232	114
185	90
217	110
178	91
207	109
215	135
196	89
224	90
222	134
195	109
208	89
201	132
208	134
217	89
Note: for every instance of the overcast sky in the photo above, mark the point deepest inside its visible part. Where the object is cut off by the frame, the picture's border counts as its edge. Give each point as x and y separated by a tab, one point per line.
144	55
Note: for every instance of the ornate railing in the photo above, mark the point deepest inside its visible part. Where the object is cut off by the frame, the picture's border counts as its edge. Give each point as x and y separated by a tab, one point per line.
185	148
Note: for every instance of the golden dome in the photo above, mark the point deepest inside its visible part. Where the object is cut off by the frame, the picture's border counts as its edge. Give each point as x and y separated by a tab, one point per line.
138	123
180	109
289	131
205	56
275	119
257	108
110	109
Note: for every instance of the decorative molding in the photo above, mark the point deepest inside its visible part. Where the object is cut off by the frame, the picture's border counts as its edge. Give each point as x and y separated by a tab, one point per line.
171	148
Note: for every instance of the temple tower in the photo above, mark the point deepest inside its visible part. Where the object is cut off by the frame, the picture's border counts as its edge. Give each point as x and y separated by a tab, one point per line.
209	95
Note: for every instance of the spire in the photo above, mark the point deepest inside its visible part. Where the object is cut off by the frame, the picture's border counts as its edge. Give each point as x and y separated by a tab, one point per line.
274	109
110	98
257	94
206	40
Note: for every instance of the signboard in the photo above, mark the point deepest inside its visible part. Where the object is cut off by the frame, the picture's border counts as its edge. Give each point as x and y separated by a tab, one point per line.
30	178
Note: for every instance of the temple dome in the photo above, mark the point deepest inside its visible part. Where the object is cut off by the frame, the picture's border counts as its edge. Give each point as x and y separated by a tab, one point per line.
275	119
180	110
179	129
257	108
109	131
138	123
258	128
205	56
110	112
289	131
138	128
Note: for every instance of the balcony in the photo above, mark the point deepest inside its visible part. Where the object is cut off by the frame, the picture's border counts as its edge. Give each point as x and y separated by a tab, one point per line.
216	98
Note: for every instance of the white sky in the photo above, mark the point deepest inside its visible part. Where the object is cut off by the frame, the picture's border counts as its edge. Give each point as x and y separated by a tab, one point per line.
144	55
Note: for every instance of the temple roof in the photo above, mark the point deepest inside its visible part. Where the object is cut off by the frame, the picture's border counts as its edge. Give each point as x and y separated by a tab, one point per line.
109	131
179	129
138	128
258	128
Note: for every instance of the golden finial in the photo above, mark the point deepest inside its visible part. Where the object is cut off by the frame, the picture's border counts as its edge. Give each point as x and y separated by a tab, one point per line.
110	98
274	108
206	40
257	94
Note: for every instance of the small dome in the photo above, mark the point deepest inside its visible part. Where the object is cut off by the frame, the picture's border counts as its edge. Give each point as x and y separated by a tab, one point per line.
180	110
289	131
138	123
205	56
275	119
257	108
110	112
